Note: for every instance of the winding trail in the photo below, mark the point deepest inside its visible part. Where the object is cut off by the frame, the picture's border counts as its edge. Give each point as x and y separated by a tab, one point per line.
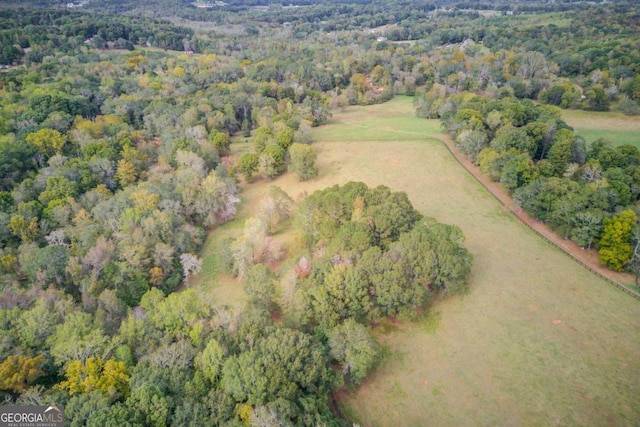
587	258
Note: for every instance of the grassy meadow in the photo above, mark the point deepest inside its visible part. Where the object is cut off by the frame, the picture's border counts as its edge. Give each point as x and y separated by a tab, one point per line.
614	126
538	340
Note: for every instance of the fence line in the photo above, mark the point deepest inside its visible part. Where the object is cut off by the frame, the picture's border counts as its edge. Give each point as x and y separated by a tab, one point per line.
516	215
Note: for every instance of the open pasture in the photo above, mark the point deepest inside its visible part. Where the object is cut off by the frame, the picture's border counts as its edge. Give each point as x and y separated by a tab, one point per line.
613	126
538	340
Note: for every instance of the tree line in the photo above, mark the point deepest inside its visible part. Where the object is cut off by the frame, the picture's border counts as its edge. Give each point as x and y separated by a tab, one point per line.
588	194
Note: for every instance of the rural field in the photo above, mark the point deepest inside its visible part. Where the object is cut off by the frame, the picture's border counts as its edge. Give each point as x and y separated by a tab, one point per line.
538	340
614	126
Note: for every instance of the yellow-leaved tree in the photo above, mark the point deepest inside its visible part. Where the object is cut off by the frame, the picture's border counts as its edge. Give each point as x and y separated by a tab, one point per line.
47	141
18	372
110	377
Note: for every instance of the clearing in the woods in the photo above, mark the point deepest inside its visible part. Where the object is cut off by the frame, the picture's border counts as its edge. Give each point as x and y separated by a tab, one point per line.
538	340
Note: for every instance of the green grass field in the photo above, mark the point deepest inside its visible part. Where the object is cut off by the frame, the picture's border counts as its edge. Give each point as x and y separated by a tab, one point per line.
614	126
397	123
537	341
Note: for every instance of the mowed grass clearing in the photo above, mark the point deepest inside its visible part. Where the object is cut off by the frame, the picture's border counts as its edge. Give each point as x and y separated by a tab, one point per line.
537	341
613	126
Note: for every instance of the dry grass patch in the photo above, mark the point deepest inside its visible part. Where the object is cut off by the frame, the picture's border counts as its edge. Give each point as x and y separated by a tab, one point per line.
601	120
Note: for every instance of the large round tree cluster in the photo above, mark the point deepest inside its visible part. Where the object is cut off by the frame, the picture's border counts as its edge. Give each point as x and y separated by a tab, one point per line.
373	256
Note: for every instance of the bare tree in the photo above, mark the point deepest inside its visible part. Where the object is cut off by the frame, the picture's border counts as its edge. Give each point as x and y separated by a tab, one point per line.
56	238
191	265
98	256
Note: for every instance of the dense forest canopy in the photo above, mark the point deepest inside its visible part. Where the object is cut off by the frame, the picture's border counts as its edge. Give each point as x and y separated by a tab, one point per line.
118	125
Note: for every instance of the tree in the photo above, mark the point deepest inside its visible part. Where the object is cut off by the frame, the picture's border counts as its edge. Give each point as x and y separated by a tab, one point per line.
47	141
116	415
284	137
508	137
248	165
78	338
178	314
452	264
272	160
331	295
560	152
614	248
285	364
428	105
58	188
216	201
390	214
354	348
46	264
553	95
586	227
596	99
490	162
16	160
468	118
303	158
176	355
111	310
210	360
82	406
629	107
267	416
154	404
540	196
619	185
275	208
517	171
191	265
262	137
260	286
36	324
109	377
26	230
126	173
19	372
98	256
563	211
359	83
632	87
246	128
471	142
378	260
221	142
